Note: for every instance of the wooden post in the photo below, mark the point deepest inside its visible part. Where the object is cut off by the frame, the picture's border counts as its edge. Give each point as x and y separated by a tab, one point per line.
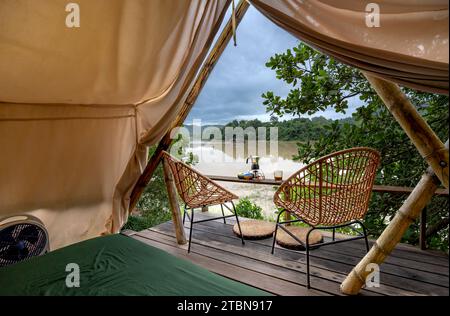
393	233
200	81
174	206
427	143
423	229
287	214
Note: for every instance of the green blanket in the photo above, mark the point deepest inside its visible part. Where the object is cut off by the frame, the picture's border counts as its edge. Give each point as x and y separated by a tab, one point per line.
116	265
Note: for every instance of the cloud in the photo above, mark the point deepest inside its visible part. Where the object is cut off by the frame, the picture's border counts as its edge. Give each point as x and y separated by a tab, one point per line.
234	88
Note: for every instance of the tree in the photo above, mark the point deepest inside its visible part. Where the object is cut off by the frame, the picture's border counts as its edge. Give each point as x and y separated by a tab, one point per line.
153	205
319	82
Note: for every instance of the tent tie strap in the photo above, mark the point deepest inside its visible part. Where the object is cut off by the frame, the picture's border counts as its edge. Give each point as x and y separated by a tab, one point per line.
233	21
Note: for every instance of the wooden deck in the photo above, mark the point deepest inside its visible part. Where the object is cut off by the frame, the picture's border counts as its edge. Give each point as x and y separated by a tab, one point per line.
408	271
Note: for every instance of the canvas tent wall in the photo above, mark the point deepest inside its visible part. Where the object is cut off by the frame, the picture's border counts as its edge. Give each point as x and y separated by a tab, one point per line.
80	105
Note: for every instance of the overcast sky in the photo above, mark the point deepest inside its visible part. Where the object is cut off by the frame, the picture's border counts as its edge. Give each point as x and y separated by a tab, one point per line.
234	88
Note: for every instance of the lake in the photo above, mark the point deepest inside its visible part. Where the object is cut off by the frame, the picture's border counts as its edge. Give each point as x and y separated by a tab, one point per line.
217	158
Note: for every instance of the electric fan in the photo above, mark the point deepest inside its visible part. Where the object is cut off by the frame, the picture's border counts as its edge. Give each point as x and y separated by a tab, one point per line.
21	237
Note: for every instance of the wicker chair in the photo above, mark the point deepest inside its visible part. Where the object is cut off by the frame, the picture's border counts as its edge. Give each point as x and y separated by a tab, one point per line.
330	193
198	191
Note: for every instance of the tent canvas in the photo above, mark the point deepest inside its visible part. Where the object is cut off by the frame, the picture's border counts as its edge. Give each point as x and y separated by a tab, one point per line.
79	106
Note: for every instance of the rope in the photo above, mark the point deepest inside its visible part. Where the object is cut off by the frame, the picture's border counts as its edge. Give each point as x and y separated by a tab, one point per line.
233	21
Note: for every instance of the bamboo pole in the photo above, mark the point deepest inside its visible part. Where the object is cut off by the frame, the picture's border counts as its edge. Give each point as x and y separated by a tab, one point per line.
174	206
427	143
391	236
393	233
287	214
203	75
432	150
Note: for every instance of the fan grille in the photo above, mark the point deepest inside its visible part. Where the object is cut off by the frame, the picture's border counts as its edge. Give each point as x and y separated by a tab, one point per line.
21	241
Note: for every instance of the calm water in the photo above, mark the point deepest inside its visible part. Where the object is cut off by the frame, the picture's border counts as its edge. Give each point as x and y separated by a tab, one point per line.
228	160
222	160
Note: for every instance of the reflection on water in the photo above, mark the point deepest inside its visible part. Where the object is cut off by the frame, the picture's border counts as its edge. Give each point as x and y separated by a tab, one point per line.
218	159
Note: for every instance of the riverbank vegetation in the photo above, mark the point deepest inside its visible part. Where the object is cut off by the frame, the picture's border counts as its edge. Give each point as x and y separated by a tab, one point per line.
295	129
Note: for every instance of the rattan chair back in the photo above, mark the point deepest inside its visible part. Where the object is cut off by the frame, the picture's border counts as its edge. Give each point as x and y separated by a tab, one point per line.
195	189
333	190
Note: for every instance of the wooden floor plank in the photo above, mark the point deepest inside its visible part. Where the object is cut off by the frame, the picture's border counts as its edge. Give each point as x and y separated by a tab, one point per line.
296	269
431	262
269	284
319	267
390	280
247	263
408	271
409	252
346	258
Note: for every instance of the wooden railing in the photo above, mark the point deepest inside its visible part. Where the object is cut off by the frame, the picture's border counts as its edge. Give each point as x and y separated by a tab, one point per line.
376	188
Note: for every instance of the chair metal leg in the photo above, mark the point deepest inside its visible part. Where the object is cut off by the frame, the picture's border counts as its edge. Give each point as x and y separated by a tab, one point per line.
276	230
237	220
190	230
308	247
367	242
184	215
366	239
223	214
308	276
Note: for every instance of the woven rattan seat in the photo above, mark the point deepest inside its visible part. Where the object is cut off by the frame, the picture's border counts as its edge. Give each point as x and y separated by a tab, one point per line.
332	192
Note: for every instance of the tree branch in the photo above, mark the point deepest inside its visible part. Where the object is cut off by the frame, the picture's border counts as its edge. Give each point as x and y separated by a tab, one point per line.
351	95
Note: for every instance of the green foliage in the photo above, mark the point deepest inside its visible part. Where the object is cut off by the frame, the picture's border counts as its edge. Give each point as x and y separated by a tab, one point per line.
148	218
153	206
246	208
319	83
296	129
